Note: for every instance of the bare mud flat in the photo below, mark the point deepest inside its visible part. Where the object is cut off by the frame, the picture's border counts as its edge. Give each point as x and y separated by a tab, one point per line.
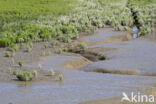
81	87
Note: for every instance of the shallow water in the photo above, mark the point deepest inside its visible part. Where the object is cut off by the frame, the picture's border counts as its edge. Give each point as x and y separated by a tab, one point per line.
77	86
134	56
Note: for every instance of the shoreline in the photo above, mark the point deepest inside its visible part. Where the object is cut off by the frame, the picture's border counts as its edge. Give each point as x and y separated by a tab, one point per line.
38	54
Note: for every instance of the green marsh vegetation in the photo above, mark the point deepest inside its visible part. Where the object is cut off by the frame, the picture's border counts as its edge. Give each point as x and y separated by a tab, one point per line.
59	50
21	21
52	72
29	21
62	20
145	15
82	46
24	75
27	75
8	54
60	77
54	43
20	63
35	73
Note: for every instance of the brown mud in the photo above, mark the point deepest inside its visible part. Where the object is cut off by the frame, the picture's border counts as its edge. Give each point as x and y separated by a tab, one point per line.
84	86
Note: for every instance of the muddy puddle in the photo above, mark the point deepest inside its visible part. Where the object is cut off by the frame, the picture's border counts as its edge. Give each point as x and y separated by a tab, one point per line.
81	87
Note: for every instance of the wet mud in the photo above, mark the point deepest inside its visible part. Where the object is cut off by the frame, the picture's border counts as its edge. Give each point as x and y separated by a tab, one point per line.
120	64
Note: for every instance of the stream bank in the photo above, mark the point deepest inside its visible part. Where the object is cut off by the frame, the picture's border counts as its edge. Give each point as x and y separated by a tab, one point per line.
80	86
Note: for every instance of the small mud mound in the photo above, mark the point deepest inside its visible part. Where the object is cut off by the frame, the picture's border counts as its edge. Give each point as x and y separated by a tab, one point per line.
112	40
94	57
76	63
124	72
88	56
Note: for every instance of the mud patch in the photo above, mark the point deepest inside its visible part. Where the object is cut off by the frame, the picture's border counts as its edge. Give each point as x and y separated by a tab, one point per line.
92	56
124	72
88	56
112	39
77	63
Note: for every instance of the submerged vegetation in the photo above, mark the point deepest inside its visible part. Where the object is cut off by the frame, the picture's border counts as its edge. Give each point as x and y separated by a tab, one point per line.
62	20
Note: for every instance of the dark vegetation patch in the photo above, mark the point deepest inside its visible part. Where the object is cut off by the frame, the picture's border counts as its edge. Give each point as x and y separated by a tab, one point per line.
57	19
31	20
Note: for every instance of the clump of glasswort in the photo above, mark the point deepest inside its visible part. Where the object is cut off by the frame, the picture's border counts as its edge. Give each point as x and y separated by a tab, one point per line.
58	50
54	43
65	49
13	47
8	54
40	66
22	45
29	46
23	75
46	45
60	77
35	73
52	72
20	63
82	46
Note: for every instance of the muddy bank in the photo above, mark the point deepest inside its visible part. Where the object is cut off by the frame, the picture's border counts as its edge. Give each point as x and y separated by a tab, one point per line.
87	56
136	56
39	52
79	86
76	64
8	64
